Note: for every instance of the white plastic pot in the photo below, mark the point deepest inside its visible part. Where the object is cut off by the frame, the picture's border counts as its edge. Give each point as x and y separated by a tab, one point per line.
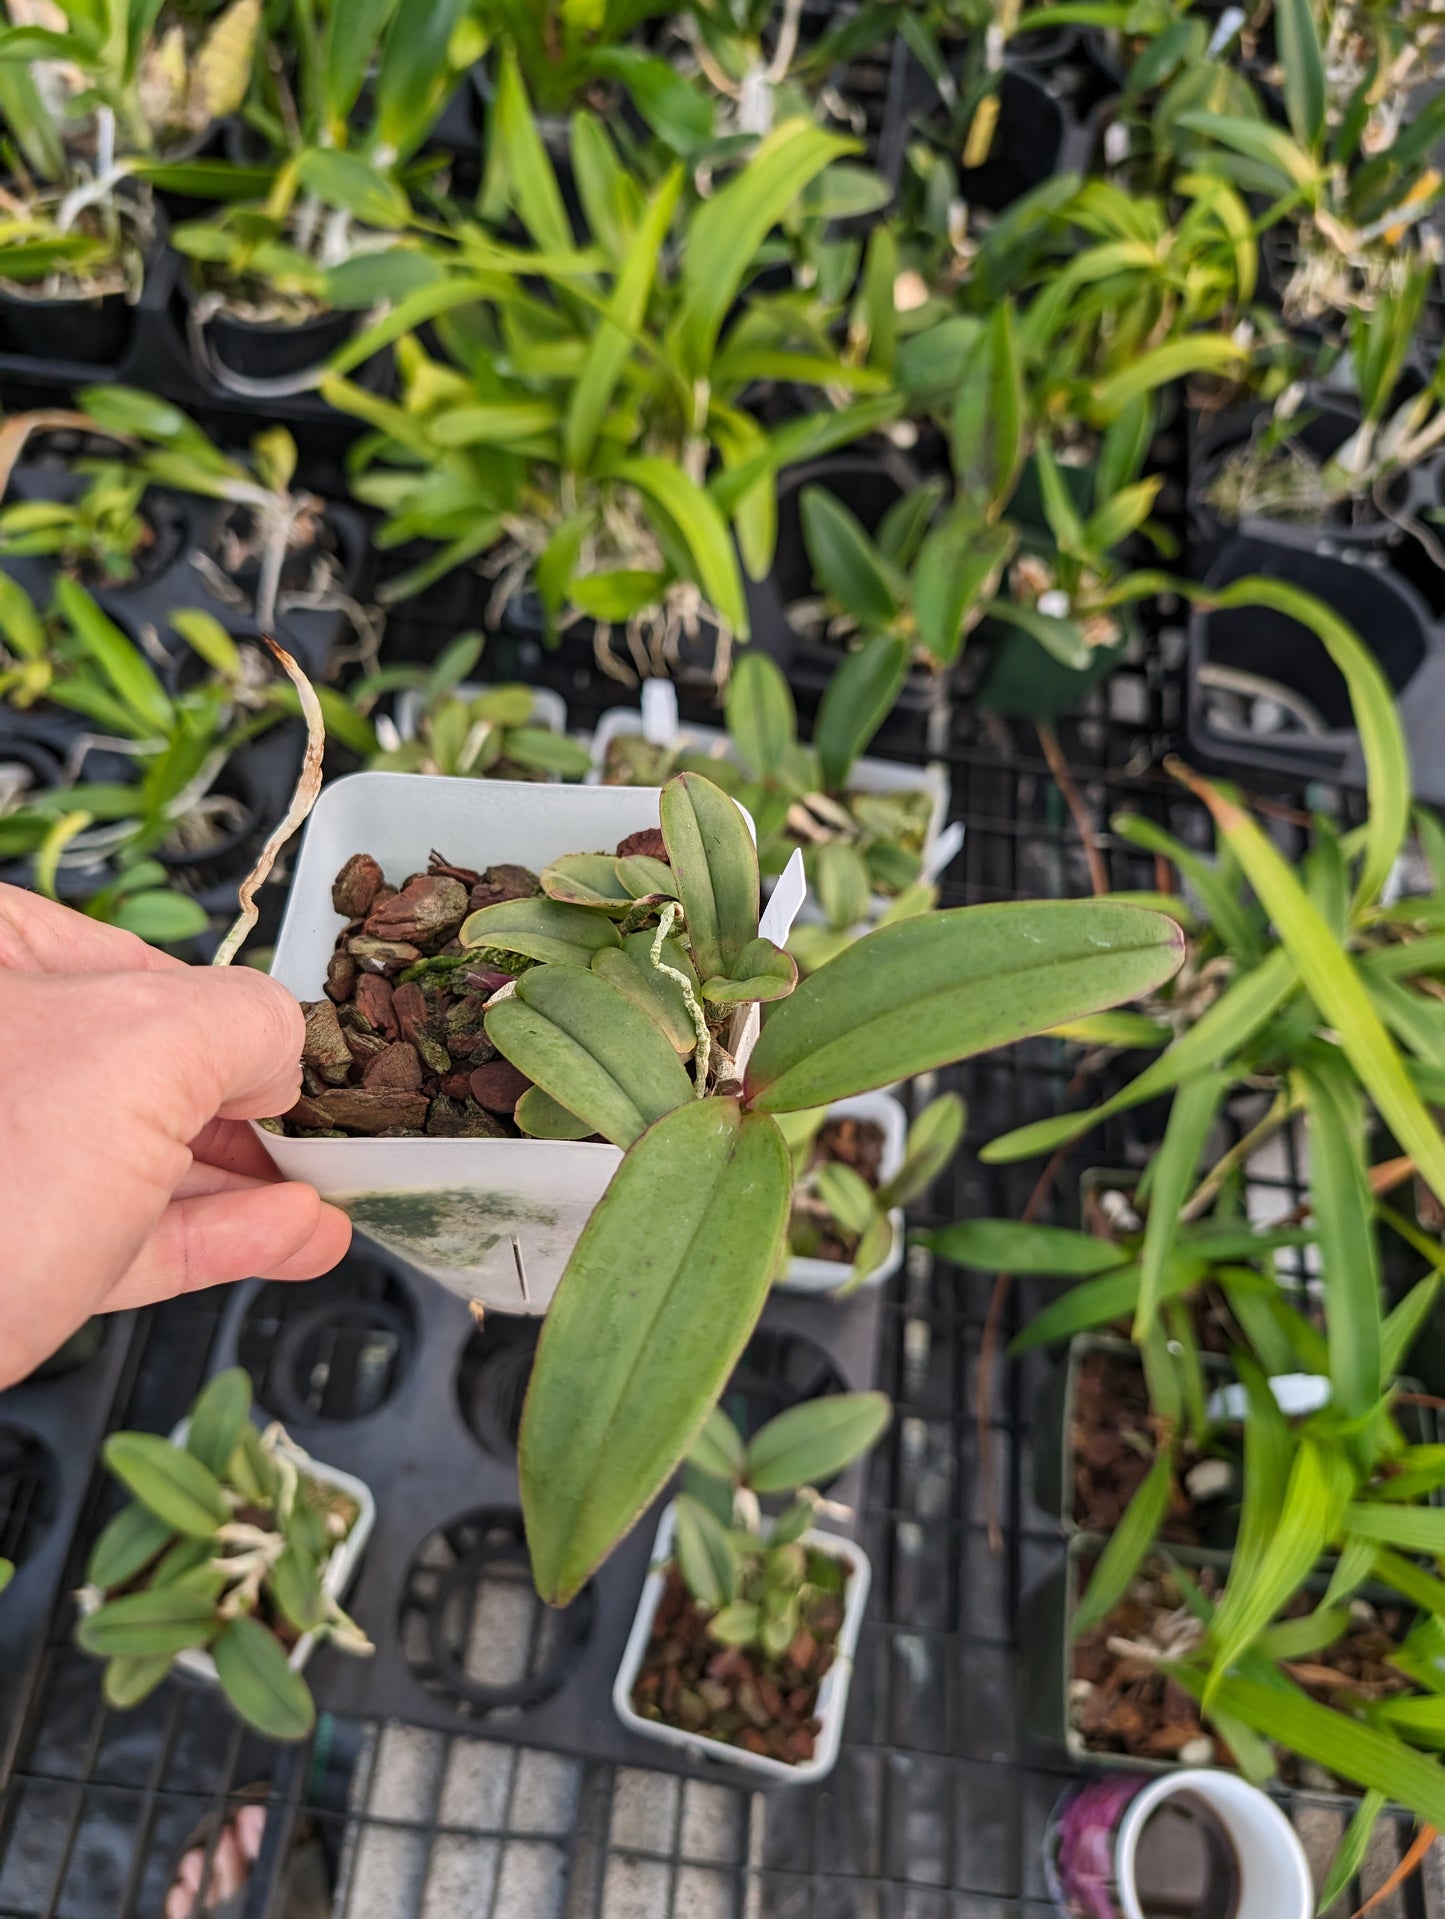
832	1694
549	709
827	1275
1274	1875
867	776
340	1567
493	1220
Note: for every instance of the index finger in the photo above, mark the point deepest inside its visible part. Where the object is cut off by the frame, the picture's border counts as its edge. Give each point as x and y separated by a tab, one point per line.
39	936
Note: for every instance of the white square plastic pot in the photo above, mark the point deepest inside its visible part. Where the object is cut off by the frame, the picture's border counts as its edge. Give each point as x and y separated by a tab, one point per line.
832	1694
494	1220
549	709
867	776
827	1275
340	1567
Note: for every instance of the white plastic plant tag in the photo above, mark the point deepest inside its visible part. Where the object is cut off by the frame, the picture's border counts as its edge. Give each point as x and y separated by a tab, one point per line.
1230	21
659	712
775	924
943	852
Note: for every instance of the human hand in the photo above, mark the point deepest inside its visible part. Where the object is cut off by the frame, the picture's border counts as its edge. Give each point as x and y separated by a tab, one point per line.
126	1175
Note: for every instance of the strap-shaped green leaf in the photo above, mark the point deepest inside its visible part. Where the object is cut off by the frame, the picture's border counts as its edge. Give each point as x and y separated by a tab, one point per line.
1344	1210
716	868
1172	1176
252	1667
170	1481
1230	1023
542	929
129	1679
1334	985
810	1443
616	327
702	528
654	1309
705	1554
129	673
761	716
574	1035
924	992
1128	1543
1015	1246
846	564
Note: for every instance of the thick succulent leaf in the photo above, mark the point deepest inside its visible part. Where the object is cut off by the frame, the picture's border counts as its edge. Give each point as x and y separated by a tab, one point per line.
809	1444
252	1668
631	971
546	930
574	1035
763	972
654	1309
715	866
129	1679
222	1407
542	1117
170	1481
645	878
129	1542
923	992
168	1620
587	879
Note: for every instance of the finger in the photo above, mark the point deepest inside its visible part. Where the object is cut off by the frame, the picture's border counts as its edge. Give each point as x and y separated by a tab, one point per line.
39	936
202	1178
231	1144
199	1044
264	1232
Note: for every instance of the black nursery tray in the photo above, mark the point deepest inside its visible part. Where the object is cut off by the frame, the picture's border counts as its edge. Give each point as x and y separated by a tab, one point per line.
157	357
50	1432
386	1375
187	526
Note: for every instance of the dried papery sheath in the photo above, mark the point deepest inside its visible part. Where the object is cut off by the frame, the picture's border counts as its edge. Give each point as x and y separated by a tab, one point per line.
308	785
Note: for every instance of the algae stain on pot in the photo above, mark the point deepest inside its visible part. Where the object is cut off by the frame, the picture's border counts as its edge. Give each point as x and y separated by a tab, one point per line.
455	1227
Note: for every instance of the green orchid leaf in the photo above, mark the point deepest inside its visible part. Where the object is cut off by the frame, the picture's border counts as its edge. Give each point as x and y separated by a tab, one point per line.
649	989
761	716
811	1443
990	415
653	1312
645	878
956	574
168	1620
252	1667
702	529
587	879
763	972
922	993
1128	1544
125	667
171	1482
222	1407
855	703
847	1196
845	891
1343	1210
1172	1178
126	1546
933	1139
718	1449
705	1554
846	564
129	1679
542	929
1245	1006
715	869
542	1117
578	1038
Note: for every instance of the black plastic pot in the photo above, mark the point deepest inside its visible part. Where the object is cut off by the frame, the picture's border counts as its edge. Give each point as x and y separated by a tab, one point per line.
1023	680
274	350
1263	696
93	333
1028	144
1328	425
